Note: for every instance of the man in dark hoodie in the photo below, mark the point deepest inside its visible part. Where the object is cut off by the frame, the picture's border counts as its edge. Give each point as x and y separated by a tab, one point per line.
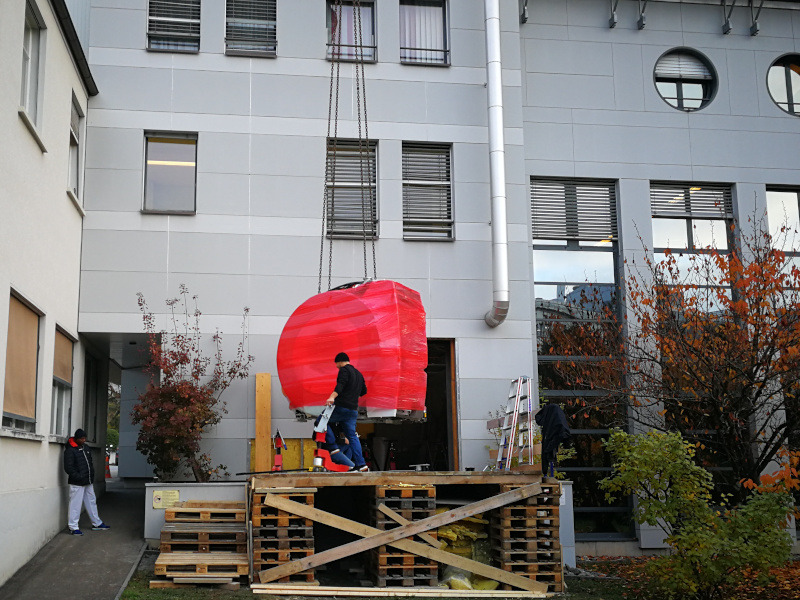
350	387
78	465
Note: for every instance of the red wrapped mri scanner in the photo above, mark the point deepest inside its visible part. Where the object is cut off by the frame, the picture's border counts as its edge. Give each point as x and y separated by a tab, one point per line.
381	327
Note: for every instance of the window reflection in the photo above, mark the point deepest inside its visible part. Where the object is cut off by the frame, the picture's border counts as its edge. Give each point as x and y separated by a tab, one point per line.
784	219
783	82
170	174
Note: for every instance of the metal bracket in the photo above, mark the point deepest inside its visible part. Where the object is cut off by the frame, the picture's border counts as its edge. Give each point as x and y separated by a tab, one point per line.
642	7
612	22
726	16
523	11
754	28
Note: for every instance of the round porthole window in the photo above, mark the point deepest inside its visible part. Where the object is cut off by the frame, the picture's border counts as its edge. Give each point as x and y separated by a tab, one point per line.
685	79
783	82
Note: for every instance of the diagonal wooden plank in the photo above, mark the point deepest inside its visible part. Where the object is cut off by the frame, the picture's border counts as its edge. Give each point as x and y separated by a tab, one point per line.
393	537
399	519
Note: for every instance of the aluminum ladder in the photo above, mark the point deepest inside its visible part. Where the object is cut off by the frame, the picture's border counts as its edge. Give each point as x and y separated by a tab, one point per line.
517	425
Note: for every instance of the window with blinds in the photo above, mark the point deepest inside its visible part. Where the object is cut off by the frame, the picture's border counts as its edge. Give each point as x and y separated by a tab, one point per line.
32	57
250	27
22	359
174	25
691	216
351	189
344	33
427	192
74	149
685	80
423	32
61	404
573	209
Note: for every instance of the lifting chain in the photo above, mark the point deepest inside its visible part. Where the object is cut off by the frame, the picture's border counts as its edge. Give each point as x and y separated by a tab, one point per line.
365	164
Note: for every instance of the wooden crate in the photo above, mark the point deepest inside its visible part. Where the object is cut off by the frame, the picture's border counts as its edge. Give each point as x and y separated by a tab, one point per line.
211	564
203	547
197	511
203	532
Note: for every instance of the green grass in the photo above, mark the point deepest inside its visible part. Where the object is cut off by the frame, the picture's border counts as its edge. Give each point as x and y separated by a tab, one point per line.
592	589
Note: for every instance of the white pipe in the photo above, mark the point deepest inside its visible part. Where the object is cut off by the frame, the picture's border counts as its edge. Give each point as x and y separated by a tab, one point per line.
497	167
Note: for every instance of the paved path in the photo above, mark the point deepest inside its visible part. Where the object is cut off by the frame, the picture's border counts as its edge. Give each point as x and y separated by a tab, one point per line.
90	567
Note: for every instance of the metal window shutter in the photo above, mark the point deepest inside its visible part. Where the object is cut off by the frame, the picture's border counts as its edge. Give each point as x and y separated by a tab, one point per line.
175	20
573	209
346	194
251	26
427	192
680	65
75	122
699	200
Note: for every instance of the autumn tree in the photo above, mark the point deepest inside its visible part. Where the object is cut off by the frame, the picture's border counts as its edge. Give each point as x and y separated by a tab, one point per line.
182	399
708	345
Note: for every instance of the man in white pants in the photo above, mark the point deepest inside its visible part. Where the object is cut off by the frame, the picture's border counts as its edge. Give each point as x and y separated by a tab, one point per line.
78	465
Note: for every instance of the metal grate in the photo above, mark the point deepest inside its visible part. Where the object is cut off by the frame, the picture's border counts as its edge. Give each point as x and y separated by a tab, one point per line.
351	202
427	195
698	200
573	209
174	25
251	27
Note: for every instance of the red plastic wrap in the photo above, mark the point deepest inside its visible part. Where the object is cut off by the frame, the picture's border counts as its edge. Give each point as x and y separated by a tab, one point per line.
381	327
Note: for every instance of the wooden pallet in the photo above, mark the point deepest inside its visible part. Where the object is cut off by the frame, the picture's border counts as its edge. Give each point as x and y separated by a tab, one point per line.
400	581
262	543
398	504
220	583
304	577
203	547
280	521
203	532
398	491
300	496
196	511
211	564
273	531
527	523
514	535
526	512
281	556
527	544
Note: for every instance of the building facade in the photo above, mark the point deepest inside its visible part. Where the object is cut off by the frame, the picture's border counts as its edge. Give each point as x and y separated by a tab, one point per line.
52	380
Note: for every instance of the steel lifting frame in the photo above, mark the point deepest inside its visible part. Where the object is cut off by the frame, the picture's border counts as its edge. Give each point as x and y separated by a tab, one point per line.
754	28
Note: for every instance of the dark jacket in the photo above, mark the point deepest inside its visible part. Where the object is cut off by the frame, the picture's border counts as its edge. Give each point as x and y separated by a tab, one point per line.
350	387
78	463
555	431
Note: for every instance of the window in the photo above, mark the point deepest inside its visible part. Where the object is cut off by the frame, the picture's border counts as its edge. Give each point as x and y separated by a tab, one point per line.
169	180
344	33
22	360
783	213
427	192
250	28
423	32
351	203
174	25
31	62
690	217
685	80
61	406
575	259
783	81
75	122
91	389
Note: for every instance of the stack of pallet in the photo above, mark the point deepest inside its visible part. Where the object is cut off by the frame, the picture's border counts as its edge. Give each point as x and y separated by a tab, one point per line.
525	538
280	537
202	542
390	567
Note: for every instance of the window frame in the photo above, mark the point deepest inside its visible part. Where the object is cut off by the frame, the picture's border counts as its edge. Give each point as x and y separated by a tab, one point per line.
447	225
373	54
75	164
791	102
30	104
446	60
61	394
170	135
171	38
330	183
270	42
710	86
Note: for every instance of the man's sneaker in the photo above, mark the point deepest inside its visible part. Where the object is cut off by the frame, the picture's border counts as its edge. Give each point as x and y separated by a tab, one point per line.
363	469
101	527
75	532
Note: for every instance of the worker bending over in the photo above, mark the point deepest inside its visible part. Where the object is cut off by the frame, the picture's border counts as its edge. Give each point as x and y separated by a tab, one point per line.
350	387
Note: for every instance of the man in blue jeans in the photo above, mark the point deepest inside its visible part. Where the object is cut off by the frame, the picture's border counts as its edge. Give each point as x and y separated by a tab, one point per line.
350	387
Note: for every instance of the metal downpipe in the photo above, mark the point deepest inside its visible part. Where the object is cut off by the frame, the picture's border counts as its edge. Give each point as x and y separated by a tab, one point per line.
497	167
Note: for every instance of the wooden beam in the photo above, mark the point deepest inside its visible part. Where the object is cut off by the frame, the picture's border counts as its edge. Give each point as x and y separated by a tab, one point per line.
277	589
374	538
263	443
398	519
312	479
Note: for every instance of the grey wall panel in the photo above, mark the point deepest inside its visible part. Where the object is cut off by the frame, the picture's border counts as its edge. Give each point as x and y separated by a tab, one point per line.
547	13
743	149
587	13
223	152
467	47
281	155
471	162
212	27
109	250
302	30
471	202
133	88
483	396
285	255
290	96
208	253
223	194
118	28
382	96
230	452
111	291
211	92
229	427
566	57
462	260
579	91
218	293
456	104
112	148
286	195
280	296
493	358
549	141
601	144
112	189
629	79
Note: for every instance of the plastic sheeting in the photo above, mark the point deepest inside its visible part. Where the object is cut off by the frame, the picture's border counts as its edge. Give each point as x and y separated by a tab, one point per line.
381	327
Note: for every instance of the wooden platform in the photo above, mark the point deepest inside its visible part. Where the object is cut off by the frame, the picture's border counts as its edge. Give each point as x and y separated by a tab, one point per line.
391	478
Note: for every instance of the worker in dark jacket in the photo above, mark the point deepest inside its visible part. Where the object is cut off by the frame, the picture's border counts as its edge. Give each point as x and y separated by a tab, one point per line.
350	386
78	465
